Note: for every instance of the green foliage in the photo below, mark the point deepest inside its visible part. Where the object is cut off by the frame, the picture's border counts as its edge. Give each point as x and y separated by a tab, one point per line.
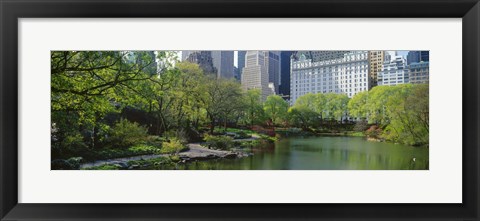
218	142
357	106
105	167
174	146
254	113
125	133
276	108
402	111
179	135
302	116
336	106
323	106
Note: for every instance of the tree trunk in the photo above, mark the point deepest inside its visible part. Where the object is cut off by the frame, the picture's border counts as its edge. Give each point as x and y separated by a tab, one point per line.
212	124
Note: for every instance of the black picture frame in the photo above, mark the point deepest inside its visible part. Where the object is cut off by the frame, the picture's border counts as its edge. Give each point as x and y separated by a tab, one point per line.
12	10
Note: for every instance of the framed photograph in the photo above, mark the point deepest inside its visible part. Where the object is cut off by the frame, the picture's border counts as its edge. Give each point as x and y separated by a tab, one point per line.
228	110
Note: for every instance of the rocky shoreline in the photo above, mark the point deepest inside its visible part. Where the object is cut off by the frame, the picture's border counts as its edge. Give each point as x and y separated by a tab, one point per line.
196	152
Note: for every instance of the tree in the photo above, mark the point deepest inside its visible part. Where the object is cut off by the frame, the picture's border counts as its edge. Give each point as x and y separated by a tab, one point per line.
357	106
302	116
220	99
275	108
87	85
335	106
254	108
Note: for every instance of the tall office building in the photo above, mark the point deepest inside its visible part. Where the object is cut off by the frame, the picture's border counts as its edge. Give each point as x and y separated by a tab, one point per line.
236	74
375	59
424	56
417	56
185	55
223	62
394	72
285	72
241	60
204	60
342	75
272	63
255	75
418	73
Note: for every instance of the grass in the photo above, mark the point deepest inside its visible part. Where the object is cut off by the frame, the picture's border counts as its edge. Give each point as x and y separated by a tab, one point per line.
355	134
235	130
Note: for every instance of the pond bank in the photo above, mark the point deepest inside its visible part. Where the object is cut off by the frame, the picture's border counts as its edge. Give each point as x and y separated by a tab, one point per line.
195	152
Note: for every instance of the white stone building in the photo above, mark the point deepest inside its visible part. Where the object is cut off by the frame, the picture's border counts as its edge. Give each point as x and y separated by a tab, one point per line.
394	72
347	74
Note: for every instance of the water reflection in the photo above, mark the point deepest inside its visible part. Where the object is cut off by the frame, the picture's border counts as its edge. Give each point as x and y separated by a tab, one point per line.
324	153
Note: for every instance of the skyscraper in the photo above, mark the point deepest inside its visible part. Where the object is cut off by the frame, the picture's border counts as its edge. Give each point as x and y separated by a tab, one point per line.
285	72
424	56
185	55
272	63
255	75
376	59
204	60
417	56
223	62
241	60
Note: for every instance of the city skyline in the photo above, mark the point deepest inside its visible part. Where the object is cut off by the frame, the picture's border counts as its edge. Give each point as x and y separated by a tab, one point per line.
235	56
307	71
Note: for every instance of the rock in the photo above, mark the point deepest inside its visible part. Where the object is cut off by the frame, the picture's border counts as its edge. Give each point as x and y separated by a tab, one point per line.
230	156
122	165
132	167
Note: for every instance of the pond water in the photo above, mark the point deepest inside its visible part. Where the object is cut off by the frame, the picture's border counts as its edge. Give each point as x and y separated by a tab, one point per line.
324	153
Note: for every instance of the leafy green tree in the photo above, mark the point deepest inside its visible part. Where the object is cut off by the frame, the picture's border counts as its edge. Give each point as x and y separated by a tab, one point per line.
302	116
276	108
86	85
357	106
221	96
254	107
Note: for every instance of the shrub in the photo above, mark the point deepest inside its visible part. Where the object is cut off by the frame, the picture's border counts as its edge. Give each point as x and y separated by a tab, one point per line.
105	167
172	146
125	134
179	135
75	162
360	126
219	142
142	149
242	135
374	132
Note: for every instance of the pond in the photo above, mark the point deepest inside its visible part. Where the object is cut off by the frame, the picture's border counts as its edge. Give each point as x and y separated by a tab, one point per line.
324	153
